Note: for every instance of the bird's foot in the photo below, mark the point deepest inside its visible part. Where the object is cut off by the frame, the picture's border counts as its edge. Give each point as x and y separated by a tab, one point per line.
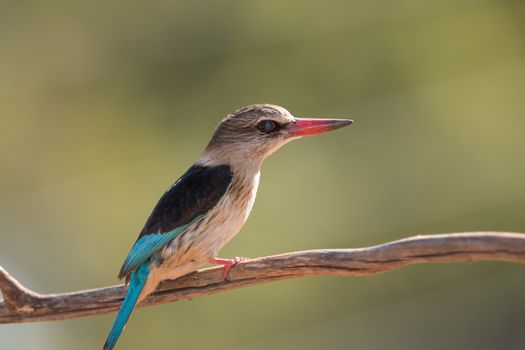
227	263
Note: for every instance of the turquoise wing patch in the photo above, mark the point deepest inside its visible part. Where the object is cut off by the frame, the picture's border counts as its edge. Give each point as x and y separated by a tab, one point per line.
147	245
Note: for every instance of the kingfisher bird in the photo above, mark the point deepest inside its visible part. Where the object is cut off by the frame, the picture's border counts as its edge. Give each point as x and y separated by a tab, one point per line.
209	204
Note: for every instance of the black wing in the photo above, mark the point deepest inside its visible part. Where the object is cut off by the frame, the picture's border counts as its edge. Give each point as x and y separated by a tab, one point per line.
196	192
193	195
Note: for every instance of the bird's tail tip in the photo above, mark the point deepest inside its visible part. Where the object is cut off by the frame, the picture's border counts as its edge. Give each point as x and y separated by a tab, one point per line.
110	343
138	280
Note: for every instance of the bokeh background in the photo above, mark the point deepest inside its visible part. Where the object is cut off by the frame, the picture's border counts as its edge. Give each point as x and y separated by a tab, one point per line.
104	104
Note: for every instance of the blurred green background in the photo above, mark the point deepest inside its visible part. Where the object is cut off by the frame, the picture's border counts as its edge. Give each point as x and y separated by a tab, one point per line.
104	104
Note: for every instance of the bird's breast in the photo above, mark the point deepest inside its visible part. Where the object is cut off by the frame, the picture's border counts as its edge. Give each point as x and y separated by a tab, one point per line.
219	225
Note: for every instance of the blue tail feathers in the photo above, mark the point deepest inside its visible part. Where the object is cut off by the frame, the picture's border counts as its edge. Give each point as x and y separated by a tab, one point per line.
137	282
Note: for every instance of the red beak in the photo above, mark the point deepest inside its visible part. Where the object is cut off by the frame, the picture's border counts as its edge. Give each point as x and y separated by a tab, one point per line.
306	127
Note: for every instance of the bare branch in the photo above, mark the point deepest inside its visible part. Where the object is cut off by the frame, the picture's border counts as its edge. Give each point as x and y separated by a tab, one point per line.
23	305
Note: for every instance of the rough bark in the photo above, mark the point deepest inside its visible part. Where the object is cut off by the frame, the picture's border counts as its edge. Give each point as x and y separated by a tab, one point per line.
23	305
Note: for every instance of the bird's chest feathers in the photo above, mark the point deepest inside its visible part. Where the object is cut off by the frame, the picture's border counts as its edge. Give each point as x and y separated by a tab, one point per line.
224	221
231	213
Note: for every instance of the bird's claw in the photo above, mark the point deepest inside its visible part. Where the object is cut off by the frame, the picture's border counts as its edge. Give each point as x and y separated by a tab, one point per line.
227	263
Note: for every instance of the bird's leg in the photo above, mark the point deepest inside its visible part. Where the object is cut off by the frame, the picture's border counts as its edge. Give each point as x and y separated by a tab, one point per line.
227	263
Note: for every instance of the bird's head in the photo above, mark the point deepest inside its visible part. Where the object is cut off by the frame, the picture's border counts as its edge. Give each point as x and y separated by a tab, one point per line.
256	131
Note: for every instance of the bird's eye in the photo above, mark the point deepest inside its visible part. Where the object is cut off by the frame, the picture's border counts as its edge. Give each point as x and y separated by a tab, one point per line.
267	126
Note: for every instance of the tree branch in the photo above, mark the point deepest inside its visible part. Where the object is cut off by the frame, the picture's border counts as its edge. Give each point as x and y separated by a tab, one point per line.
23	305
